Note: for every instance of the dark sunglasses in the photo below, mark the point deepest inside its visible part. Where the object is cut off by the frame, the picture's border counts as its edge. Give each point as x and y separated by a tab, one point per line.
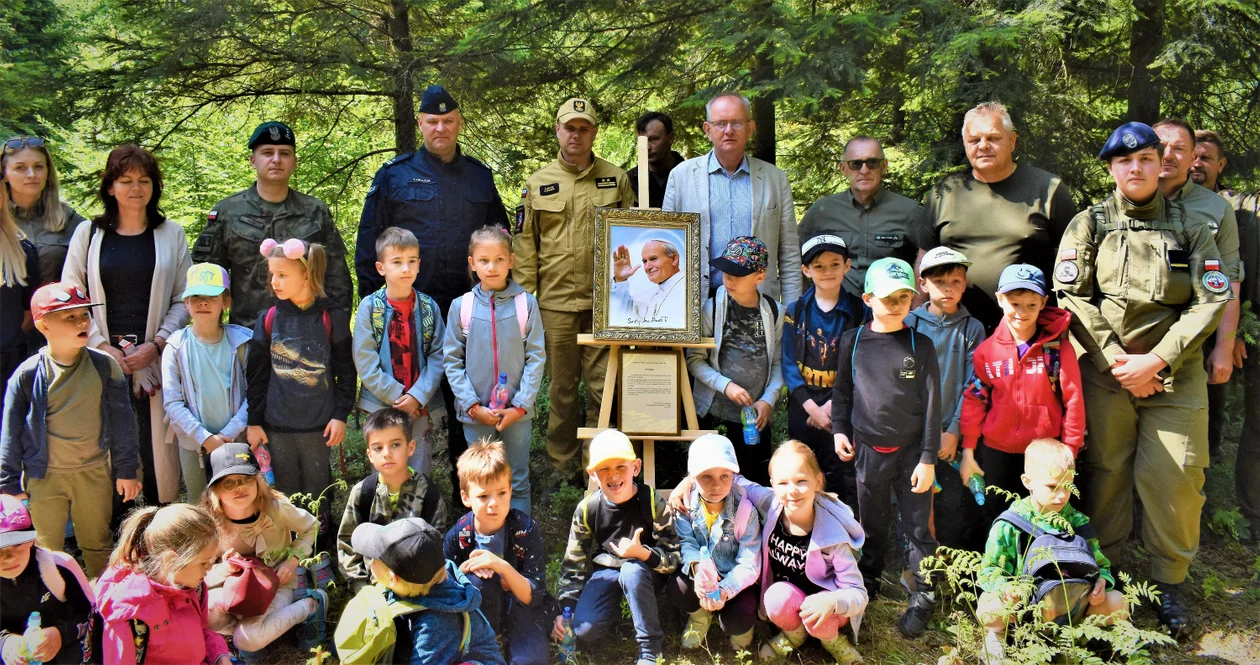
16	144
872	163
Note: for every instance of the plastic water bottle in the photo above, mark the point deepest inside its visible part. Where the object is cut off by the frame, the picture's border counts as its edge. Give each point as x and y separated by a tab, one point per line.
976	485
31	638
707	575
748	416
499	396
264	464
568	645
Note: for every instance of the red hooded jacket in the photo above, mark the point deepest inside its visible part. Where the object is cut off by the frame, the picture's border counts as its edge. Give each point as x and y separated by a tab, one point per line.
1011	400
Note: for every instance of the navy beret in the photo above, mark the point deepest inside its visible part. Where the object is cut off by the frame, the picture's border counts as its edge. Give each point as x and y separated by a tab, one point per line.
437	100
1129	138
272	132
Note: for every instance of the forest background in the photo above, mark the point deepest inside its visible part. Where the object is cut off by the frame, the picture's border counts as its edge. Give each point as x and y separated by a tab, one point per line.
190	79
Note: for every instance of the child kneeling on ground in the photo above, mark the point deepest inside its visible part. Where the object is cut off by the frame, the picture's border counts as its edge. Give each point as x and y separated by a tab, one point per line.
1012	551
720	537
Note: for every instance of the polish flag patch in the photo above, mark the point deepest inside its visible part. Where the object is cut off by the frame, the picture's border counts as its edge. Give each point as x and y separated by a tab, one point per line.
1211	264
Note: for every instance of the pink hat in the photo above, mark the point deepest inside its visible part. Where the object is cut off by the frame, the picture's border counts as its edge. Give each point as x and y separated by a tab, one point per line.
15	522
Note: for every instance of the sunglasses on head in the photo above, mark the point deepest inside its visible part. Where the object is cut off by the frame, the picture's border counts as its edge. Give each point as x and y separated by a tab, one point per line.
17	143
857	164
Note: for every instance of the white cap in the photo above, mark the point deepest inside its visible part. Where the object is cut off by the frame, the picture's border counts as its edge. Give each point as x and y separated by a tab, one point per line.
711	451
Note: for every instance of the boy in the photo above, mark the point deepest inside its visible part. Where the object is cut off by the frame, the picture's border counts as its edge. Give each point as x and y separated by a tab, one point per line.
396	491
1026	386
954	334
398	346
443	624
743	369
621	542
69	428
811	332
886	412
500	549
1049	469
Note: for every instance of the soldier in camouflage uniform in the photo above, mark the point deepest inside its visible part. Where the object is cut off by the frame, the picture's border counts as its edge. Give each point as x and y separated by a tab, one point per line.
237	225
1144	284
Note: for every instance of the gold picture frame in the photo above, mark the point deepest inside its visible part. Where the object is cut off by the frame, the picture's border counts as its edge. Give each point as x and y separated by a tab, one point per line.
659	301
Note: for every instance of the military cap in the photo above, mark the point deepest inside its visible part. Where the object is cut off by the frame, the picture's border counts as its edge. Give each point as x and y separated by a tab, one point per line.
437	100
1129	138
272	132
576	108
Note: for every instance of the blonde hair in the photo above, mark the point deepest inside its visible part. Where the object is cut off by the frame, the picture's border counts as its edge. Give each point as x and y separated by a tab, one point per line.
1049	455
50	201
315	264
12	256
150	534
264	500
484	461
807	457
398	585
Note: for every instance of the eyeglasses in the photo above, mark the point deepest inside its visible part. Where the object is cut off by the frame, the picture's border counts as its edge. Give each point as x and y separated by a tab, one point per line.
233	483
17	143
872	163
721	125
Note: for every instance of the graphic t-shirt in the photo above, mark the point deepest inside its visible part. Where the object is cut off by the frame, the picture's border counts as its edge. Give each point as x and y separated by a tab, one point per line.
742	357
787	558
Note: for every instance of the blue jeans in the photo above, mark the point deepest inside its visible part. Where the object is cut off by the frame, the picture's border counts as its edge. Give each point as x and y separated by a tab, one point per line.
525	630
600	605
516	443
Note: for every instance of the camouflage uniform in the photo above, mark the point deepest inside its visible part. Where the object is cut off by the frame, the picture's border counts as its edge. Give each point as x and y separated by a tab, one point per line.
418	497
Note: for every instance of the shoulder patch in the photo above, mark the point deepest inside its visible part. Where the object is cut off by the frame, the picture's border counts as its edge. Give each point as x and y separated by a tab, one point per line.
212	214
1211	264
609	182
399	159
1066	271
1216	281
549	189
1067	254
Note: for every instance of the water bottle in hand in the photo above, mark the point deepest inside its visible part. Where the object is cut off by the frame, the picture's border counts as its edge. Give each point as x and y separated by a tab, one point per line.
707	575
568	645
976	485
499	396
748	415
31	638
264	464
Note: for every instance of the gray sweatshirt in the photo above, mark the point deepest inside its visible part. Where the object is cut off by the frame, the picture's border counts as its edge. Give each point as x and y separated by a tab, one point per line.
955	338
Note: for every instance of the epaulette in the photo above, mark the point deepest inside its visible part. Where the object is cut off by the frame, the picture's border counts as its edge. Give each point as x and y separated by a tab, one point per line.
398	159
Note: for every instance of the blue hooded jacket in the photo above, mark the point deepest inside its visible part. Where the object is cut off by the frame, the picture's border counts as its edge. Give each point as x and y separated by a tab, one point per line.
436	633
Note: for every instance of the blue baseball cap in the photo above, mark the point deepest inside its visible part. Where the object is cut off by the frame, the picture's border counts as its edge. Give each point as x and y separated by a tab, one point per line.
1022	276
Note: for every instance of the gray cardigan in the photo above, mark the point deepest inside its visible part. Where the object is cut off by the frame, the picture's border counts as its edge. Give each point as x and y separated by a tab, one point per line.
703	363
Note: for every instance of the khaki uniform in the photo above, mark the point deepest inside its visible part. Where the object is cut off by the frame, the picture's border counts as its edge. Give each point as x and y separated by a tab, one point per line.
1141	280
555	258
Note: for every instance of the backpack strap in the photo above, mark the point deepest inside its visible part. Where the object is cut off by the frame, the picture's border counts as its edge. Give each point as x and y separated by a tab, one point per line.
367	493
465	312
522	312
428	321
377	315
647	503
774	306
586	522
1102	225
1020	522
742	514
268	319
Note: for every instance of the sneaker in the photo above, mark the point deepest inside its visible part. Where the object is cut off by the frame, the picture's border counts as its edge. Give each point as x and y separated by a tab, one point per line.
310	633
742	642
779	647
1171	611
918	610
302	577
994	648
842	651
250	657
323	571
698	623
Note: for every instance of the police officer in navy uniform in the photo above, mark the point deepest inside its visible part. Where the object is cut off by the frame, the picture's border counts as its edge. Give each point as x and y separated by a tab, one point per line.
441	195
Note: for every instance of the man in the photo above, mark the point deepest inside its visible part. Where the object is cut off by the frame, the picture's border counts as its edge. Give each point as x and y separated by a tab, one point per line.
554	243
662	158
655	306
1203	204
441	195
875	223
237	225
1209	160
999	212
737	195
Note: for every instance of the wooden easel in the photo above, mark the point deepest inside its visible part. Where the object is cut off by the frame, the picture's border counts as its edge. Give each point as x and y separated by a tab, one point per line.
691	429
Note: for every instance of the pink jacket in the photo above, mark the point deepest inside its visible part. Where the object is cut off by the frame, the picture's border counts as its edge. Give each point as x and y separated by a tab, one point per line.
174	621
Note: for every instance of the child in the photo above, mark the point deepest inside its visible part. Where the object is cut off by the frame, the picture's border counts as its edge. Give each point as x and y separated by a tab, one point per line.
1049	469
398	346
396	491
256	521
501	551
954	334
301	374
725	523
621	543
886	413
1026	386
444	625
69	429
203	376
152	599
811	332
500	323
743	370
33	579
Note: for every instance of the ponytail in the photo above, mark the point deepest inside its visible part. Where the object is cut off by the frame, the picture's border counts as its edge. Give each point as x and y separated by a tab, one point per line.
157	542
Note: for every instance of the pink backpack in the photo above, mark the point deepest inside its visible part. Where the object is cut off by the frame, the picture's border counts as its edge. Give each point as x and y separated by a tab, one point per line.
522	312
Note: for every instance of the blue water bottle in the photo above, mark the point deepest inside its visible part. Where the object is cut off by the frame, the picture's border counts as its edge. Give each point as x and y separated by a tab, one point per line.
748	416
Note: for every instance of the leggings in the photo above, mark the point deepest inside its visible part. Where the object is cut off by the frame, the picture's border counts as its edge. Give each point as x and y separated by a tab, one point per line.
783	606
255	633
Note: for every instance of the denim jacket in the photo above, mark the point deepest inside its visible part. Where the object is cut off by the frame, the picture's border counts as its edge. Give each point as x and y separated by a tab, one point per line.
372	358
179	389
738	561
24	439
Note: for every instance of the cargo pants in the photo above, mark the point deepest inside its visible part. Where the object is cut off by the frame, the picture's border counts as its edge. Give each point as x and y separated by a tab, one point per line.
566	363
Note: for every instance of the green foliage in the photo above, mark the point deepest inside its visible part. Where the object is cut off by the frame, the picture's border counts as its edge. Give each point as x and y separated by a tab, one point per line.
1249	324
1212	585
1227	524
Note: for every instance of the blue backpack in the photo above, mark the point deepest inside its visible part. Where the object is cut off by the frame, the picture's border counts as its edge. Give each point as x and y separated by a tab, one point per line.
1056	559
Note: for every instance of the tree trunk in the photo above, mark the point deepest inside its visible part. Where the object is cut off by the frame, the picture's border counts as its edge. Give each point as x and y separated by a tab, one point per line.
404	100
763	106
1146	41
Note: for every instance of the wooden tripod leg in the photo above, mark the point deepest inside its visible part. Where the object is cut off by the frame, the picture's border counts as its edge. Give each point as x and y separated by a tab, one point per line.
610	387
649	462
684	385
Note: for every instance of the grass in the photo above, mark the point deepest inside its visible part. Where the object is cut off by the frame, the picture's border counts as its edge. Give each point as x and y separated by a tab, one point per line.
1223	588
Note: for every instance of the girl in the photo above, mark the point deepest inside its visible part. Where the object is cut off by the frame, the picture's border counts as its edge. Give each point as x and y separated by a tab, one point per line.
54	586
300	374
203	370
19	277
255	520
725	523
500	317
152	599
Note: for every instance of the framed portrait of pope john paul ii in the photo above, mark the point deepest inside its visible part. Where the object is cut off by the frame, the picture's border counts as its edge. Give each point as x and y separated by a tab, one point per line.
647	276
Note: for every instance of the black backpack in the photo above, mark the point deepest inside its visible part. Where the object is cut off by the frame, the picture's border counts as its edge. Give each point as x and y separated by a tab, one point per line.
1055	559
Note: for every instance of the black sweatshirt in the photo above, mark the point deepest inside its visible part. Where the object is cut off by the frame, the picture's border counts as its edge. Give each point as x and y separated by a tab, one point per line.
887	393
27	593
300	376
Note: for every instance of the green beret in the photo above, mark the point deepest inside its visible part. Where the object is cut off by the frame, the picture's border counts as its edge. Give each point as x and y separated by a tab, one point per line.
272	132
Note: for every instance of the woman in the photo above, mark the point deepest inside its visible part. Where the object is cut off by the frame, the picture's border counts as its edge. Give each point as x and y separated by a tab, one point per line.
19	274
135	263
